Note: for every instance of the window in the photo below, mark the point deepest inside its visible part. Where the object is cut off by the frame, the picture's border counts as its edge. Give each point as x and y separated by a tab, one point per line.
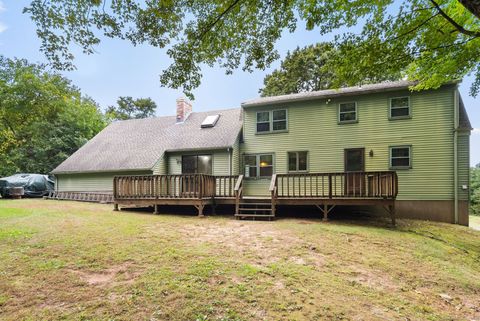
347	112
210	121
271	121
399	107
263	121
197	164
400	157
279	119
266	165
258	165
297	161
251	166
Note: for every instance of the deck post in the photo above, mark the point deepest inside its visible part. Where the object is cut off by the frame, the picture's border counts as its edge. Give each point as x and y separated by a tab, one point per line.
237	206
325	213
155	209
115	207
200	207
391	209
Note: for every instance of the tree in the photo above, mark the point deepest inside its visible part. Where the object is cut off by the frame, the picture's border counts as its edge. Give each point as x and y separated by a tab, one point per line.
308	69
43	118
475	190
433	40
129	108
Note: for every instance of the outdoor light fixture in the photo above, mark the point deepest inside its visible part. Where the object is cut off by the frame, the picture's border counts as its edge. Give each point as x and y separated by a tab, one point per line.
371	153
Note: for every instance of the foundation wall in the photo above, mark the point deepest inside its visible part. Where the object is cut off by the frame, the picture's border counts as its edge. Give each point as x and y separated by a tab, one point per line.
433	210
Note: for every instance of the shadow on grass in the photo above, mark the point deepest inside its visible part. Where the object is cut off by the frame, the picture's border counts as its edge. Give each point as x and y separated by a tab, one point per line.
340	214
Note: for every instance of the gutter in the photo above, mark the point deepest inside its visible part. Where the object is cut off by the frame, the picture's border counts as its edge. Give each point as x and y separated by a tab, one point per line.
197	149
455	153
102	171
334	93
229	150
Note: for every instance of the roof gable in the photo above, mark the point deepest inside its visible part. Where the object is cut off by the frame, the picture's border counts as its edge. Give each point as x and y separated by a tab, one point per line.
137	144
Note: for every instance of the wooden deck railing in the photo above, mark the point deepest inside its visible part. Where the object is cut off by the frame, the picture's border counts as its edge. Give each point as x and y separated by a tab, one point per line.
225	185
305	185
335	185
164	186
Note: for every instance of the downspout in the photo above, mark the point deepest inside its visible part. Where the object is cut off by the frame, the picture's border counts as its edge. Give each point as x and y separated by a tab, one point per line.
229	150
455	153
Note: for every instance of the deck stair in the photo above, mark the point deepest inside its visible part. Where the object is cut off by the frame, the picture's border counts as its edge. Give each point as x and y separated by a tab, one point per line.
255	208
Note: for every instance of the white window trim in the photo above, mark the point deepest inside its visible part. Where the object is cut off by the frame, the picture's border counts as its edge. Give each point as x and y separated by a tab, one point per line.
403	116
298	161
271	121
257	162
390	157
346	112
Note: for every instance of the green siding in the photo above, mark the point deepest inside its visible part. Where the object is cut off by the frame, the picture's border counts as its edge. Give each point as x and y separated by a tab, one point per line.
91	182
236	157
463	148
313	127
160	167
220	161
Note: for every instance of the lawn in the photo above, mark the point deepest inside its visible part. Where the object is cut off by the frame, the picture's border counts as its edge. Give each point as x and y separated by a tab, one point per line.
80	261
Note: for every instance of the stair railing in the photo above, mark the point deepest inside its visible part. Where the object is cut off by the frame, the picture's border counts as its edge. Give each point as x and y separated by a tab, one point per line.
238	191
274	192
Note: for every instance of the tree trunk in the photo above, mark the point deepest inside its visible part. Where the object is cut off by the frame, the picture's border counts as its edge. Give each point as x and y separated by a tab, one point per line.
473	6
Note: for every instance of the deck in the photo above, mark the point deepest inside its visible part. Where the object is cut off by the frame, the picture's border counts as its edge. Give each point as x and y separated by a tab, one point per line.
323	190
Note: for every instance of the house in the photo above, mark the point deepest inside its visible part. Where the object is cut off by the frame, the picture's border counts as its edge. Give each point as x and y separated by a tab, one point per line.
377	144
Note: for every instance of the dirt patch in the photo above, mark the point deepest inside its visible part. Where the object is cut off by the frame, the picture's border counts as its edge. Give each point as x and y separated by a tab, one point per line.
306	222
373	279
259	241
113	276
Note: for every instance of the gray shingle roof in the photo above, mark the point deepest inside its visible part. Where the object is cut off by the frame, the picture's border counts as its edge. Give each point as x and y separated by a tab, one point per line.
138	144
330	93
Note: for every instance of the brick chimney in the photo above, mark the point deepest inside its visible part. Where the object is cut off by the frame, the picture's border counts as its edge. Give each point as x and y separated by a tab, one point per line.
184	108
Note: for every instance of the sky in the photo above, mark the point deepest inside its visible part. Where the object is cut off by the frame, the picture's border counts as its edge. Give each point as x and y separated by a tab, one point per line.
120	69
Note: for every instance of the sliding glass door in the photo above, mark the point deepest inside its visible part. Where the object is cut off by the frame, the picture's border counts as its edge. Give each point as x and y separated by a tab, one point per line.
197	164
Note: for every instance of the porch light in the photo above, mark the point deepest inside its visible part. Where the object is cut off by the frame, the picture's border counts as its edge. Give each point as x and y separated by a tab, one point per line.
371	153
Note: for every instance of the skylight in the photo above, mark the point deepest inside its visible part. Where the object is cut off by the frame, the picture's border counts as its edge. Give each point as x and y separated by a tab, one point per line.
210	121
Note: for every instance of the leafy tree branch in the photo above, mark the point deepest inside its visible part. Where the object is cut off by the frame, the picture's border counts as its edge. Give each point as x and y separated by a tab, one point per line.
243	34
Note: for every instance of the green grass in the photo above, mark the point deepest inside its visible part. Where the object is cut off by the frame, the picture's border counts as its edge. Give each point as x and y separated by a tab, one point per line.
80	261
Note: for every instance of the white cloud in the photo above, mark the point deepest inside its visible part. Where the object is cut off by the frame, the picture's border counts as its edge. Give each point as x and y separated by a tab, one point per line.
476	131
2	6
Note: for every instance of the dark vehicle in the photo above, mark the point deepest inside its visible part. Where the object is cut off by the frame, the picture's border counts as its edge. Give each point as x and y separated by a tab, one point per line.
34	185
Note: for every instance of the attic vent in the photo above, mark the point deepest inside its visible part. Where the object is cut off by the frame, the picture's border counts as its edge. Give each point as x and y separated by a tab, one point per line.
210	121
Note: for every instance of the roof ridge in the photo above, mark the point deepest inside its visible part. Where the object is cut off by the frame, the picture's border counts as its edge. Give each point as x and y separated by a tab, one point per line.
173	116
335	92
